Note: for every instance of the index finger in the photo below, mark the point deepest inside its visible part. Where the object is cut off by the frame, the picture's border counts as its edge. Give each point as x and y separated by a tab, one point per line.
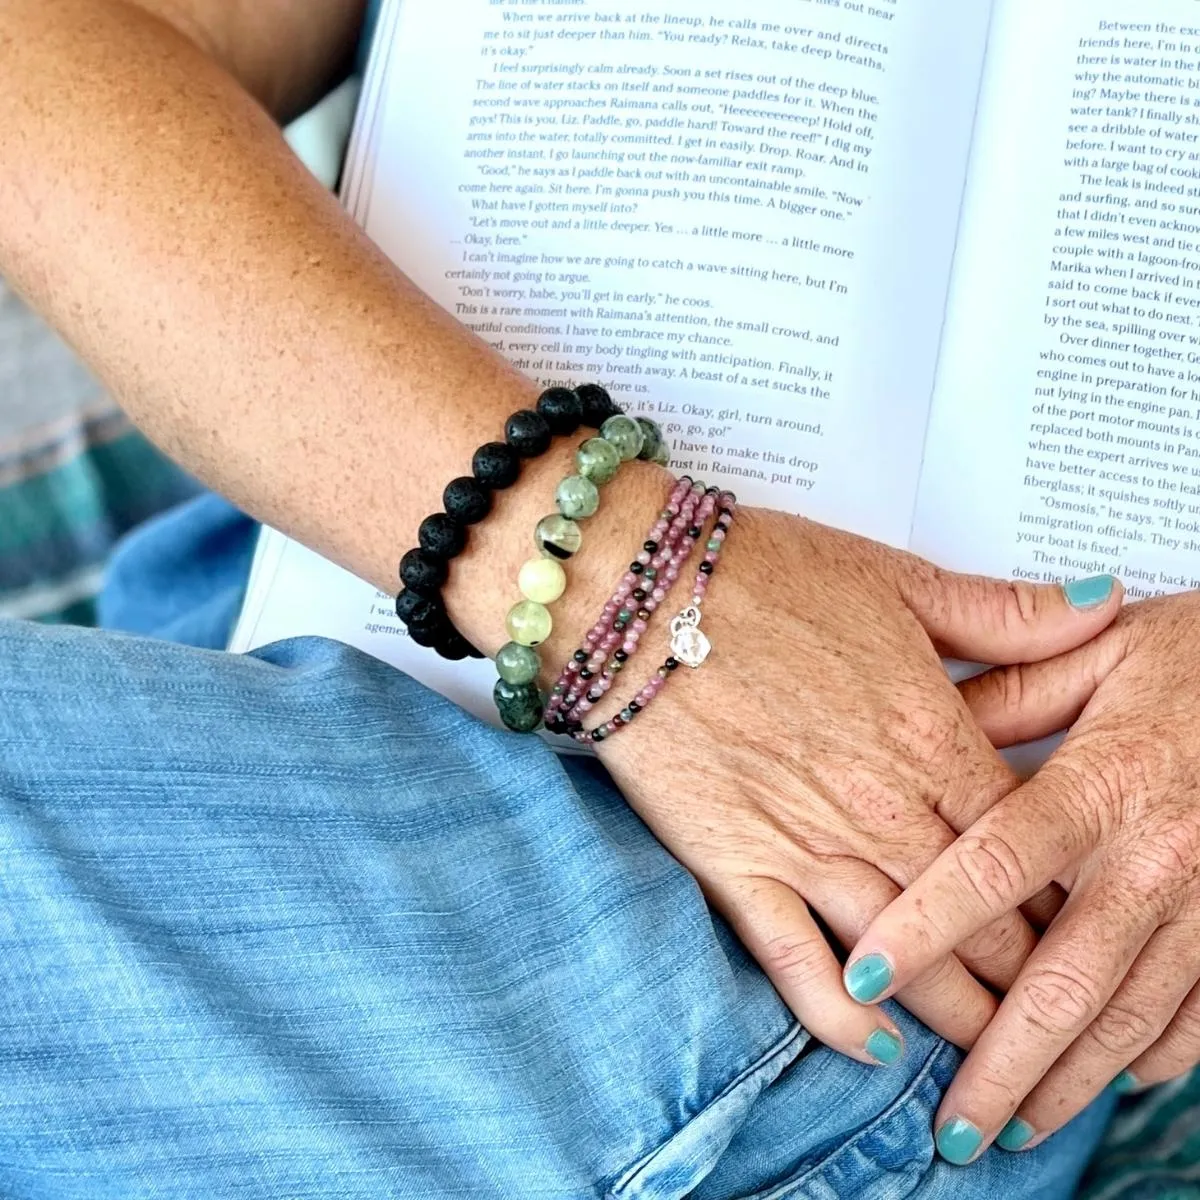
1004	859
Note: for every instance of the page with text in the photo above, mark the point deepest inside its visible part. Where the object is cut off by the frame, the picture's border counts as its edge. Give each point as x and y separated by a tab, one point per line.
1065	434
739	217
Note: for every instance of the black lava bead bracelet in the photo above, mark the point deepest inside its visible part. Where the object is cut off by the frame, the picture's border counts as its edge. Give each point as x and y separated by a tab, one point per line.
468	500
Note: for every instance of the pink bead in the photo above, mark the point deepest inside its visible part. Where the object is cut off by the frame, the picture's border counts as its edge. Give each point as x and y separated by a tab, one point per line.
710	556
660	594
630	646
672	573
718	535
631	579
639	627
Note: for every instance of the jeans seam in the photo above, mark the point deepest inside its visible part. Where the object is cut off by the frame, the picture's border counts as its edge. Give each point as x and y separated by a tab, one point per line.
628	1178
781	1190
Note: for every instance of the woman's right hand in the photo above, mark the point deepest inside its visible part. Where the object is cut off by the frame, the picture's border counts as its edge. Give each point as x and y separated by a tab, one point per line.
821	759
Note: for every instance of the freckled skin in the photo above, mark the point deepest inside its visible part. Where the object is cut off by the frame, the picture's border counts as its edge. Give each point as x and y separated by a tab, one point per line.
152	211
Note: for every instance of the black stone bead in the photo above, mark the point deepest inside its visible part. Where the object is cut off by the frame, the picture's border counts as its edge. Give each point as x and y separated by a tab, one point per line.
467	500
581	656
422	573
422	611
586	674
637	568
593	696
643	614
598	405
650	547
634	707
454	647
672	664
694	532
724	512
600	734
619	626
621	656
639	594
562	409
431	638
497	466
442	537
528	433
706	568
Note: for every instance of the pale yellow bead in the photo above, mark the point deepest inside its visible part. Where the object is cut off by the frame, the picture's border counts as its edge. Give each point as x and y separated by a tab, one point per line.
529	623
542	580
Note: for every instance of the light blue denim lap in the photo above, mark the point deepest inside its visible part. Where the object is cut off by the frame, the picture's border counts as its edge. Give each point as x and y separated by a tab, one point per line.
289	926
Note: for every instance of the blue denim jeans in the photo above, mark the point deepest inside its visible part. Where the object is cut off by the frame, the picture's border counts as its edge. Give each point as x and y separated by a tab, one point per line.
288	926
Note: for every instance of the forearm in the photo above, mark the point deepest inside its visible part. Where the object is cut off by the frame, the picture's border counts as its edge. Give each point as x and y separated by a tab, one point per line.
153	212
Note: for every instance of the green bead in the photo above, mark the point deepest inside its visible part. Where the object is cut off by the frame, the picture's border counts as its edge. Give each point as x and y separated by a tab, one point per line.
518	664
529	623
542	580
557	537
654	445
625	434
577	498
520	705
598	461
625	615
714	544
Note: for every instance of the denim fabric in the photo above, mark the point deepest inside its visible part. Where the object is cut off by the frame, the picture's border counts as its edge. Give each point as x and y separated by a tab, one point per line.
288	926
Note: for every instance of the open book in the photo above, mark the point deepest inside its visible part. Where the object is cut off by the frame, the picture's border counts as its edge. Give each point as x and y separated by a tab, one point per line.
924	269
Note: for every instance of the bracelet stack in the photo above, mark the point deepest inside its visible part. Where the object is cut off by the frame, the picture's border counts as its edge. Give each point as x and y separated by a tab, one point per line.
468	500
543	580
615	637
612	642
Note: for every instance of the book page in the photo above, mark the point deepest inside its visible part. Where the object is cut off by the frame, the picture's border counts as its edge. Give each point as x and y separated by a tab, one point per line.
739	218
1065	436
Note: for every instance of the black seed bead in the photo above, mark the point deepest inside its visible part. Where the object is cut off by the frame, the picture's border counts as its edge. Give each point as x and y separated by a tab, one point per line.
619	626
650	547
706	568
600	734
621	656
619	720
414	609
528	433
422	573
593	696
637	568
442	537
586	674
732	497
634	707
574	726
497	466
724	512
671	664
581	656
598	405
639	594
713	491
562	409
643	614
686	479
466	500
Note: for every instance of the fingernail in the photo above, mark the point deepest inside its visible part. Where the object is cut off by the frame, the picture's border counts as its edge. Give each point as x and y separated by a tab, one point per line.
1089	593
1015	1135
958	1141
869	978
885	1047
1125	1083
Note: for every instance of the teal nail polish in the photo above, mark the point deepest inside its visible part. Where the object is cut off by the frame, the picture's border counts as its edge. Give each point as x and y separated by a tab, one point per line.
958	1141
1089	593
885	1047
1015	1135
1125	1083
869	978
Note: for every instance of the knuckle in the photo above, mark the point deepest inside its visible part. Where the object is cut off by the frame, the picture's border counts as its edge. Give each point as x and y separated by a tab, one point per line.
991	869
1122	1031
1059	1001
801	961
1162	868
1184	1033
1007	942
1021	605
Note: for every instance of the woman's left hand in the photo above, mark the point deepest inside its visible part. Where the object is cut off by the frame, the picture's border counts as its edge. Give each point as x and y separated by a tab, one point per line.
1111	993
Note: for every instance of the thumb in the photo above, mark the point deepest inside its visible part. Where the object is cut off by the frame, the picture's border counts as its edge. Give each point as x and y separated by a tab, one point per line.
1023	703
995	621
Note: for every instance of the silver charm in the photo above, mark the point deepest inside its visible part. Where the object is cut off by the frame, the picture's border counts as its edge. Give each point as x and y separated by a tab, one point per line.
688	644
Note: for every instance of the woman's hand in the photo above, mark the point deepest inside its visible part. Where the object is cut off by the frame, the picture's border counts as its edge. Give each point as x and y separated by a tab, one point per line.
1110	993
821	758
